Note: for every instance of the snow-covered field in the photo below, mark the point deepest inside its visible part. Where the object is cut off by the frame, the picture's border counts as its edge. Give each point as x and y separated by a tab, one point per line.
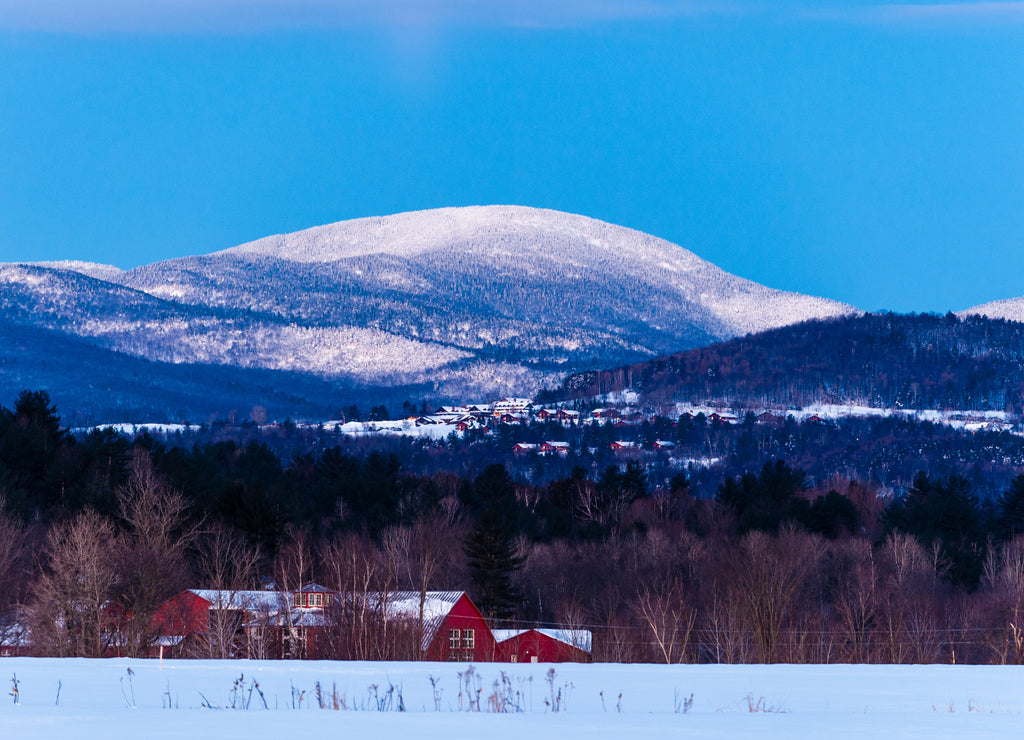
200	699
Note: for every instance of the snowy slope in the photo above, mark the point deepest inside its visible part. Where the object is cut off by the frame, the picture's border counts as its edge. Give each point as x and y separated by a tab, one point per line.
94	699
549	251
92	269
1011	309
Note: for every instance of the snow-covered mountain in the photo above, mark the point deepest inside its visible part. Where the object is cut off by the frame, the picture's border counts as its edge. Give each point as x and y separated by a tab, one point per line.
479	301
1011	309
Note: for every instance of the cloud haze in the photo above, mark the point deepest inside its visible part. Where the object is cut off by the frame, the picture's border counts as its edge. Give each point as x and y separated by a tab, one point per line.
233	16
248	16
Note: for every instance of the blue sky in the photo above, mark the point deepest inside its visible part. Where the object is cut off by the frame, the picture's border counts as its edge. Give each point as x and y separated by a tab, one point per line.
868	152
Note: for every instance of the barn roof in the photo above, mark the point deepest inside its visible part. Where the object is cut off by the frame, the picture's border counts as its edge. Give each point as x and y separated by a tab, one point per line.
395	605
406	605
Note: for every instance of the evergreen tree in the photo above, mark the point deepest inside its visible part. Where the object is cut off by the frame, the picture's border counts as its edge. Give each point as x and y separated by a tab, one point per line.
946	511
1010	506
490	546
493	560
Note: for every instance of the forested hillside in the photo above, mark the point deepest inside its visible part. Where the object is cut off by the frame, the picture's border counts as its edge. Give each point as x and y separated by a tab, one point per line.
881	360
794	546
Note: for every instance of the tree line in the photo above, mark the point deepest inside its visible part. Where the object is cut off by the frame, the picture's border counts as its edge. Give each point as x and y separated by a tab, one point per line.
767	564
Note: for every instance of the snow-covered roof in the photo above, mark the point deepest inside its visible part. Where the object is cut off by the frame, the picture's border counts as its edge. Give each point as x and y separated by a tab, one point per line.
277	605
246	600
580	639
406	605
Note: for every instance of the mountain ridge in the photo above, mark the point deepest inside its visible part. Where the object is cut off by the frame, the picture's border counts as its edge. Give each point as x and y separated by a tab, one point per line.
474	301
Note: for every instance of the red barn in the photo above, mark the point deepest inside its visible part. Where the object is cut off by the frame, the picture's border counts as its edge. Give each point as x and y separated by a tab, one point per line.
453	628
544	645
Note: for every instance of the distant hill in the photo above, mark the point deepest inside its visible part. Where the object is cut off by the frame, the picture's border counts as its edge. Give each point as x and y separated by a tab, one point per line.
880	360
92	385
1011	309
458	302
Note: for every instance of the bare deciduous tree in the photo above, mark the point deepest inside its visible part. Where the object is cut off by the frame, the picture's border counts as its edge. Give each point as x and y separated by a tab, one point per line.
293	568
359	628
73	597
856	598
228	563
1002	586
13	577
669	619
153	568
768	573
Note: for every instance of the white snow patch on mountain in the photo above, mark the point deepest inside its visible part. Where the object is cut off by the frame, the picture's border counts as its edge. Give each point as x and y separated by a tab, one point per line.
1011	309
523	238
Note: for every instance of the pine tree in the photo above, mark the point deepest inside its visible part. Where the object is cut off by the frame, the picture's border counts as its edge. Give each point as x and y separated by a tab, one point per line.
490	547
493	560
1011	509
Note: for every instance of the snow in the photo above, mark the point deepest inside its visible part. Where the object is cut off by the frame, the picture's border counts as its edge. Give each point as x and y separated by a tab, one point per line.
90	269
551	242
101	699
968	420
402	427
1011	309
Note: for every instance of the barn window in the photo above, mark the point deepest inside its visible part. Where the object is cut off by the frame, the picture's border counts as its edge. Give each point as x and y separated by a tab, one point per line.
453	639
317	599
468	639
298	599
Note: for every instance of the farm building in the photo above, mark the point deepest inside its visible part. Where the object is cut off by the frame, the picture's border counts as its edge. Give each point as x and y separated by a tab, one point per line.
318	623
544	645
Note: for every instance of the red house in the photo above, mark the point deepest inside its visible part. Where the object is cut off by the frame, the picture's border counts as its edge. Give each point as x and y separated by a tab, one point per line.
557	448
544	645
